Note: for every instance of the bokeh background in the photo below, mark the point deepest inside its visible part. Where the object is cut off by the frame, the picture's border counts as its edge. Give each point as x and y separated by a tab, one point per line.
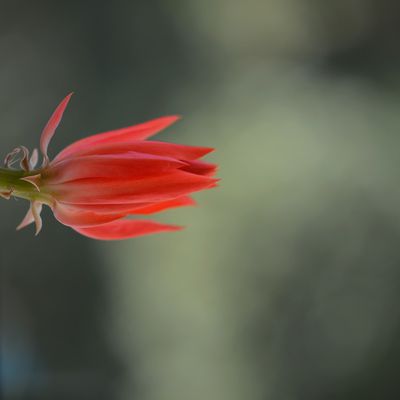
286	283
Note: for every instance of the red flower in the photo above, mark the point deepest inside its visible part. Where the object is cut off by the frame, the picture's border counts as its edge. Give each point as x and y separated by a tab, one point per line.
94	183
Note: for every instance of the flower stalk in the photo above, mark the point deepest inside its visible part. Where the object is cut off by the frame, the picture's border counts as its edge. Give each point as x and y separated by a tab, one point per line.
17	183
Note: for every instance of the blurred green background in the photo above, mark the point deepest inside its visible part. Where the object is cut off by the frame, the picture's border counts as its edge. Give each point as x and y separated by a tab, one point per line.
286	283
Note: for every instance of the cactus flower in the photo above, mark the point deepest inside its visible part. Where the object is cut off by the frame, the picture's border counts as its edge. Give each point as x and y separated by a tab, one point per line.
95	183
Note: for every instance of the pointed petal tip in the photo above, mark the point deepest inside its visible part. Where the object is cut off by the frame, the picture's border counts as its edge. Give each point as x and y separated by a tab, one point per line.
51	126
67	98
34	159
19	227
214	182
33	215
27	220
162	122
175	117
206	150
175	228
191	202
167	120
126	229
36	210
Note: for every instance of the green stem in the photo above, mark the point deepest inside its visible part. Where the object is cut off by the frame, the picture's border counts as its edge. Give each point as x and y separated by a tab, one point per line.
10	181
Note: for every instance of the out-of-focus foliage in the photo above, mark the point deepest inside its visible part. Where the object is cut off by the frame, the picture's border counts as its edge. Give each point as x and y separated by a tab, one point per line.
286	282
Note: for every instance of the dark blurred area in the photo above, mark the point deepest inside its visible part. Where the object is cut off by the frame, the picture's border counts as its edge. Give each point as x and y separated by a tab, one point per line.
286	283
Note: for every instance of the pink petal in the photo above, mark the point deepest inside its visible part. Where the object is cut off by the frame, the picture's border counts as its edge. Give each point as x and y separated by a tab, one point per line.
135	132
129	165
117	191
178	151
135	208
51	127
29	217
34	159
24	162
11	157
124	208
36	210
125	229
73	216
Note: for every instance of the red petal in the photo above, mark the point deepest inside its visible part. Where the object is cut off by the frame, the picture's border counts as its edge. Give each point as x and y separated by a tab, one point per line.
115	191
136	132
125	229
73	216
135	208
200	168
164	205
51	126
179	151
129	165
124	208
